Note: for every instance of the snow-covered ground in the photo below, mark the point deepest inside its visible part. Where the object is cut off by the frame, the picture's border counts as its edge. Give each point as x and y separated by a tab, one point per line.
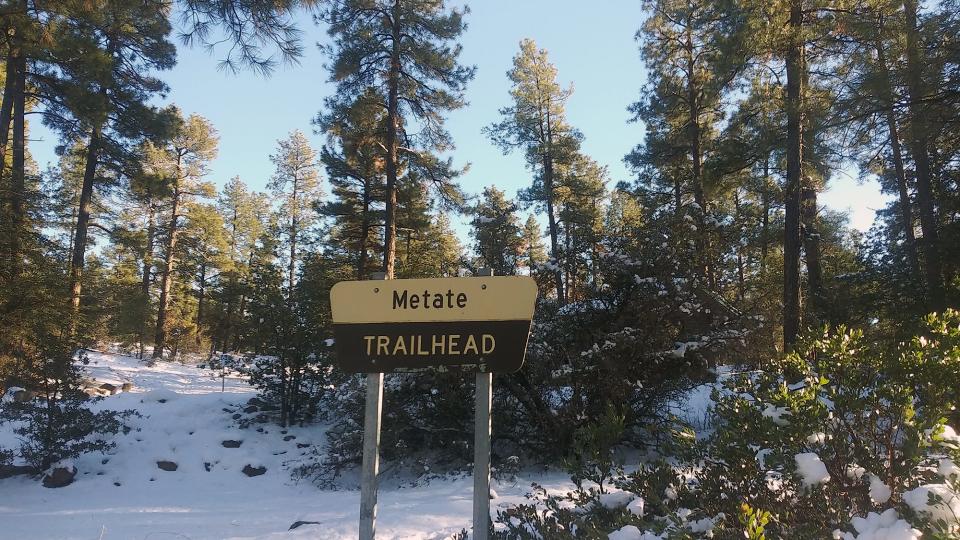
184	419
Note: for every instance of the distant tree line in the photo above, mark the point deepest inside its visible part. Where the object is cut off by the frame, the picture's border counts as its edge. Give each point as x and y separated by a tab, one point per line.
716	251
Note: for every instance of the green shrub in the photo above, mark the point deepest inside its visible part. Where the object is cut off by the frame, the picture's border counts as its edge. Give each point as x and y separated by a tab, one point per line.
842	430
59	424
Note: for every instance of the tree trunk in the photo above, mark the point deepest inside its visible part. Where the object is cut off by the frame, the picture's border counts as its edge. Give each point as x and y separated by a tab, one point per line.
237	335
294	211
393	126
6	108
741	288
809	233
791	237
906	211
18	183
284	394
364	233
83	220
74	212
242	308
696	159
765	218
161	336
921	159
228	318
551	218
201	296
231	284
567	260
145	279
677	196
811	250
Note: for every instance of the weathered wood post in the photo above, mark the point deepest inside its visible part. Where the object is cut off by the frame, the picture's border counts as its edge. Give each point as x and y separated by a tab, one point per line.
481	448
371	456
371	451
481	456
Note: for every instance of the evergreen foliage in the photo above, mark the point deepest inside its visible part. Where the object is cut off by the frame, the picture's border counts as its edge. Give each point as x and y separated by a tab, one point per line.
875	415
717	253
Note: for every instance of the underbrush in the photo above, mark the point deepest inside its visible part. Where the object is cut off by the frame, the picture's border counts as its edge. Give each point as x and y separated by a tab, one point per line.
57	423
845	438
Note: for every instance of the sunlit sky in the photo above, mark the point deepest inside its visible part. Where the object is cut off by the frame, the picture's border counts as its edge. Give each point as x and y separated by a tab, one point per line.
592	44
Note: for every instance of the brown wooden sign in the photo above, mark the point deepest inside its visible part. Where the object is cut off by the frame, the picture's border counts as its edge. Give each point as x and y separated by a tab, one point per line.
474	323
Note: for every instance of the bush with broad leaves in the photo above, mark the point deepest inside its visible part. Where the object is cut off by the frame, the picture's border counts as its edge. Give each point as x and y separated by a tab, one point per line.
846	438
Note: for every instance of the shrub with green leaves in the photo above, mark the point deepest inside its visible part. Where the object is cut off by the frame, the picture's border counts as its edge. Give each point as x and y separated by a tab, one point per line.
592	455
844	438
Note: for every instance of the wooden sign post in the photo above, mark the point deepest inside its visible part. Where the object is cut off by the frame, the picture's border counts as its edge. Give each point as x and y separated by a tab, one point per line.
371	456
476	324
482	427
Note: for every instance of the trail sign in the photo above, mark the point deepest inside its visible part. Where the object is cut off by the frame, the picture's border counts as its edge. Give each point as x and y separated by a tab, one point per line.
473	323
478	323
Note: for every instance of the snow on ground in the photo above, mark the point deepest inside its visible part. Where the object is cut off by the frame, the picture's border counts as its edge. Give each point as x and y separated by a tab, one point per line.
695	407
184	419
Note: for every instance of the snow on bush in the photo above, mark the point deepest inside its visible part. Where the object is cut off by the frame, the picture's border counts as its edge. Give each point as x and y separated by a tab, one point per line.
865	454
948	469
879	492
812	471
938	501
884	526
631	532
615	499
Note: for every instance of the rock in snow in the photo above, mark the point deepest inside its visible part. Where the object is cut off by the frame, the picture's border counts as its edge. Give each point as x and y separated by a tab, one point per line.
60	475
253	471
7	471
301	524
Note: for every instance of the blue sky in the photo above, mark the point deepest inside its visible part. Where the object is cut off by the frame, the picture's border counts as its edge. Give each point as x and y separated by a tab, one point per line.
591	43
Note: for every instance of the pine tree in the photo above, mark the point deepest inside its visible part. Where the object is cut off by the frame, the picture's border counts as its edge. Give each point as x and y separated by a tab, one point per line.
112	105
296	184
21	27
145	193
918	93
536	123
239	210
413	220
434	251
354	162
205	257
534	254
687	50
446	246
871	107
181	163
497	233
404	50
581	193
